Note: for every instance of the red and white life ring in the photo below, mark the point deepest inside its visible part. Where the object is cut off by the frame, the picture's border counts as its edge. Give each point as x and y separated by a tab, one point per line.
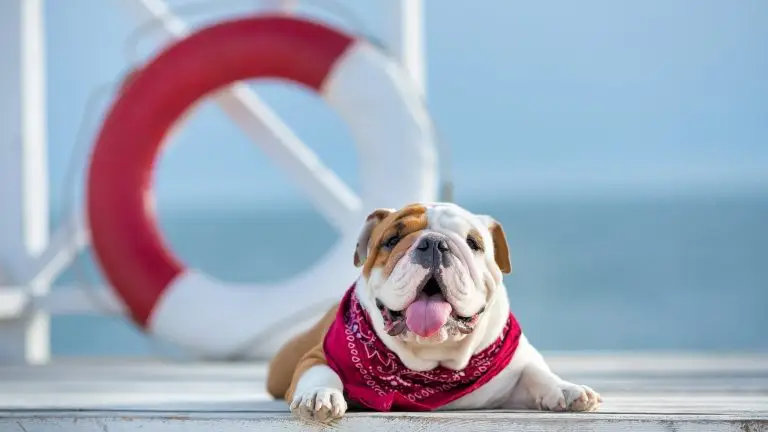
368	89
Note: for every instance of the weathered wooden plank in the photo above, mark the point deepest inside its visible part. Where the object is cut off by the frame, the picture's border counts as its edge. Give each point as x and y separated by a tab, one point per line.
475	421
615	403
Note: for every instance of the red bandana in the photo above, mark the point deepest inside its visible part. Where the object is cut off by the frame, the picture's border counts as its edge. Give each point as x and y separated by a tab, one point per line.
374	377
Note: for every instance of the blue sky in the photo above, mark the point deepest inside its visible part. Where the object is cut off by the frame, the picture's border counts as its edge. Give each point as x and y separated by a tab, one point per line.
534	97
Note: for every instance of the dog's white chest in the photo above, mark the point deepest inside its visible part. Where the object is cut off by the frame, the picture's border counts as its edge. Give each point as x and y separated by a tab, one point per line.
490	396
496	393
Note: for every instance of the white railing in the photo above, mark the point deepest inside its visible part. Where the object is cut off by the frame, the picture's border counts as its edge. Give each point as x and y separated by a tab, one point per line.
30	261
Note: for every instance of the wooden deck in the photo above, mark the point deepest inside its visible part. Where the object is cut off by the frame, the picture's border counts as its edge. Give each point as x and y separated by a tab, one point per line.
645	392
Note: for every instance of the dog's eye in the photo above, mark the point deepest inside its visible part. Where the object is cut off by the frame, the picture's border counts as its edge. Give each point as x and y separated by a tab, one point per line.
392	242
473	244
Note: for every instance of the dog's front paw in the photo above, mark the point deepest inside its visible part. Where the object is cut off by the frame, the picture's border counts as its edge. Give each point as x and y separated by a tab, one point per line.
319	404
580	397
570	397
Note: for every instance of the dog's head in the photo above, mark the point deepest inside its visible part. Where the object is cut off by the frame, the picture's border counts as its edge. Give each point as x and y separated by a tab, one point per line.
430	270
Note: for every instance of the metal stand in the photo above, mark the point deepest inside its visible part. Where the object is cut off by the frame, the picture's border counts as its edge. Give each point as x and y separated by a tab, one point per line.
24	332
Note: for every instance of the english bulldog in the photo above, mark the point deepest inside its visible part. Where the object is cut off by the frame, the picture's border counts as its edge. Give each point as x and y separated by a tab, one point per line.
426	326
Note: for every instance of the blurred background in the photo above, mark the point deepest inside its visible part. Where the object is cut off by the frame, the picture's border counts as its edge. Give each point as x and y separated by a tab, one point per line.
622	145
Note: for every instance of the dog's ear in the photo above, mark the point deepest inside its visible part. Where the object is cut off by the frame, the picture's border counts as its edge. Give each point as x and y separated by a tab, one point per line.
500	245
373	219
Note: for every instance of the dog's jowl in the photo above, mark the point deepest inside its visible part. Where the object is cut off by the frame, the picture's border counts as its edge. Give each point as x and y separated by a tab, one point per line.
426	326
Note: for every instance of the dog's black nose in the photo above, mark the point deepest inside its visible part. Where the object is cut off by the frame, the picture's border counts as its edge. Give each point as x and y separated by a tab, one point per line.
430	251
427	243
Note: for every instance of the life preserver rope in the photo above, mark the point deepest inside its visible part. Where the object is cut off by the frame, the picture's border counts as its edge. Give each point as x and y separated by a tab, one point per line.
389	123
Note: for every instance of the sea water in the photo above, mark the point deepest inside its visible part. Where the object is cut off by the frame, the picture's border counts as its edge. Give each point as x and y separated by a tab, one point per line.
663	273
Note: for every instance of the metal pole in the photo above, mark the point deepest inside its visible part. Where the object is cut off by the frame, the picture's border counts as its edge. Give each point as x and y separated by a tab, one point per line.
23	171
404	36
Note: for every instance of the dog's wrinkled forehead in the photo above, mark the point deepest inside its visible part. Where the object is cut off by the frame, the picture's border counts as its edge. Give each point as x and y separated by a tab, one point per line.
388	234
414	218
448	217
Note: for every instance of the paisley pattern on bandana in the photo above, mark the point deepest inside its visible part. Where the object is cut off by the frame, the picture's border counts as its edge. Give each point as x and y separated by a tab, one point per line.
375	378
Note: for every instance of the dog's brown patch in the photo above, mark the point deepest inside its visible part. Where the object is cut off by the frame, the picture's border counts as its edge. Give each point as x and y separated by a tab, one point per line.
500	247
404	224
373	219
398	252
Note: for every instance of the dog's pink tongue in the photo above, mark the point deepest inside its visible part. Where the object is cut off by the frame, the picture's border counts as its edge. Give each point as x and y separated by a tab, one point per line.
427	315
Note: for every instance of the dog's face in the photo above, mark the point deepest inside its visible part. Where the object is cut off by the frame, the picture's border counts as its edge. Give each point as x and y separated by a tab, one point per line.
431	270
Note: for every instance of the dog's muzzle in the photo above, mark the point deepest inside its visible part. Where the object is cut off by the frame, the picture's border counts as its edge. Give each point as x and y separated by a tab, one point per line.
430	309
